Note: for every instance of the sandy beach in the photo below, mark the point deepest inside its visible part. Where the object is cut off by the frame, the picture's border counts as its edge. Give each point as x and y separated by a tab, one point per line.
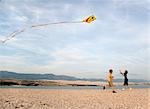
74	99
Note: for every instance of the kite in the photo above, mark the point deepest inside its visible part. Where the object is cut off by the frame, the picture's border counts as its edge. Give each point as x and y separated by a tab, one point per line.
13	34
89	19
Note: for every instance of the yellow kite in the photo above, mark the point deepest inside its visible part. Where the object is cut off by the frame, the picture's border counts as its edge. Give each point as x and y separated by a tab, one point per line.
13	34
90	19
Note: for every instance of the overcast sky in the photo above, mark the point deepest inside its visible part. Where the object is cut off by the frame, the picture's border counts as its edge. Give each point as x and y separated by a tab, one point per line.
118	39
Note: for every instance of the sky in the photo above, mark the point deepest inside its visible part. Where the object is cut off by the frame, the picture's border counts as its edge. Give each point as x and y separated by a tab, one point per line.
118	39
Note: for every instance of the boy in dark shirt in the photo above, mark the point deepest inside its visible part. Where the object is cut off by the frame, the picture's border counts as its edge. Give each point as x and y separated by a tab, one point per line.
125	77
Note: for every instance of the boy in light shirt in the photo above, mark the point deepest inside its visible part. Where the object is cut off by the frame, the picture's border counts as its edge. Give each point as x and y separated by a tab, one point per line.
110	80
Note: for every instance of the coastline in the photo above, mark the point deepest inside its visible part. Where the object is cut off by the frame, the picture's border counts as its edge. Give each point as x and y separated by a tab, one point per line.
10	82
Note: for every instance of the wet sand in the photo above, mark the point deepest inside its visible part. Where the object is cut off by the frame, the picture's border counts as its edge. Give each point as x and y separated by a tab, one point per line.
74	99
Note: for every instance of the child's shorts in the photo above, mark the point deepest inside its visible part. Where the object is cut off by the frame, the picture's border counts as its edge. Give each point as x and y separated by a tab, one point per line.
110	83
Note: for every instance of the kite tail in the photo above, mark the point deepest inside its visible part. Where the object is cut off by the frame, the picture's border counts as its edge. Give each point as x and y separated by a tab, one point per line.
13	34
40	25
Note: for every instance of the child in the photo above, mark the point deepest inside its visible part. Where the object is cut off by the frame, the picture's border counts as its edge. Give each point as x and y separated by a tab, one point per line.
125	77
110	80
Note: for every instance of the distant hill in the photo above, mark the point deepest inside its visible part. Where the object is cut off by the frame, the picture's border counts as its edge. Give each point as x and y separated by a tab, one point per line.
24	76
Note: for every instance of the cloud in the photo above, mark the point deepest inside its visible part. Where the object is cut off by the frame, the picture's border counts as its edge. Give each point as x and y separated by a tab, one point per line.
117	39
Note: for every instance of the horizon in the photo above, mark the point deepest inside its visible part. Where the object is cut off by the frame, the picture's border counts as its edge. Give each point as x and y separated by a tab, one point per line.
121	78
118	39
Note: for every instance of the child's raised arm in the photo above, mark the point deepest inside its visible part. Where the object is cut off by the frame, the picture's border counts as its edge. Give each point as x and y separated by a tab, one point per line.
121	72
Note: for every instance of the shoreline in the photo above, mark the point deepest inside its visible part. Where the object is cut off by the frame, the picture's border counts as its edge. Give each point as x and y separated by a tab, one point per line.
10	82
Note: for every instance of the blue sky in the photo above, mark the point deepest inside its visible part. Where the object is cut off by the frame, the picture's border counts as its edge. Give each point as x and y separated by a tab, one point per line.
118	39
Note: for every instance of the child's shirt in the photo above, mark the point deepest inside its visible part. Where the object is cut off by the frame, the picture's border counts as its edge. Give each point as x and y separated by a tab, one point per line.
110	77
